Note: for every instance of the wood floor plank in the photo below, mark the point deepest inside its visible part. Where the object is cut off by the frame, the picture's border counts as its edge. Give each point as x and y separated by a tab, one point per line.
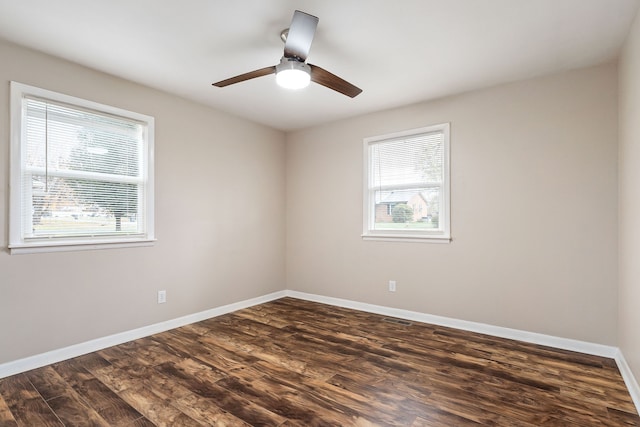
443	419
220	357
25	403
102	399
298	363
158	410
72	411
89	361
6	418
272	399
149	351
141	422
65	402
48	383
623	418
332	397
208	413
238	406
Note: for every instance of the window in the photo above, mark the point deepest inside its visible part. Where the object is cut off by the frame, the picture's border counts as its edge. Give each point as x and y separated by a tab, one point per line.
81	174
406	190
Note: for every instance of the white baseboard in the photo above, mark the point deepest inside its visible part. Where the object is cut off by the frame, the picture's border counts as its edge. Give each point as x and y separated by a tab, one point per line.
496	331
54	356
629	379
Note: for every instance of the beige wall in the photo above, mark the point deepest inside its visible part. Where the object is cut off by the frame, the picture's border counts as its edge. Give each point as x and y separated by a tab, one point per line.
212	250
629	208
534	221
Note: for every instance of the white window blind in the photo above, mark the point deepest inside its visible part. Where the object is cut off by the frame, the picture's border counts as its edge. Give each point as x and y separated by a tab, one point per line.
406	194
82	171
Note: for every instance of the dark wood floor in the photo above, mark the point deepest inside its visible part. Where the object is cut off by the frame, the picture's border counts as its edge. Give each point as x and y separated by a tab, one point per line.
297	363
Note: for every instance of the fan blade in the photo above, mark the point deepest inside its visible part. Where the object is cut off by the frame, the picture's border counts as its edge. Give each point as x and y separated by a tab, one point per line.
327	79
301	32
246	76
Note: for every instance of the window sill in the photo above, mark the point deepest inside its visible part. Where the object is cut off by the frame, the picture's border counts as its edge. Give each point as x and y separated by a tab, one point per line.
40	247
407	238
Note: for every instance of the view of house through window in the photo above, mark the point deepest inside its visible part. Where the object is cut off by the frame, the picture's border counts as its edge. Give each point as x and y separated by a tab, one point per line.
83	174
407	184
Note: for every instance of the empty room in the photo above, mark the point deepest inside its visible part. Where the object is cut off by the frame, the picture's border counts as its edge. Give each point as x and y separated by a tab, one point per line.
320	213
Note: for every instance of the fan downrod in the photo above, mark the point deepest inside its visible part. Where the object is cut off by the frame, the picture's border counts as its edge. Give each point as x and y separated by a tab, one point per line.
284	34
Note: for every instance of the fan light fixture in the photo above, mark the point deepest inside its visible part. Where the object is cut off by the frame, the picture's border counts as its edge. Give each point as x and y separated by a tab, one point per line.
293	71
292	74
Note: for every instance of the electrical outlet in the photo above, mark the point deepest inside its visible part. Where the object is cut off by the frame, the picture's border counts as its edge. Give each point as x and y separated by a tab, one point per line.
162	297
392	285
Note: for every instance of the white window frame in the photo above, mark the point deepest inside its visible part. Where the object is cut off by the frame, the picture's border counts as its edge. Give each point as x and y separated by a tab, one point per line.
432	236
18	244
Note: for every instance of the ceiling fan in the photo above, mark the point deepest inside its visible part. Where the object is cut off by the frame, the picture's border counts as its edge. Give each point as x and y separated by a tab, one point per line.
293	72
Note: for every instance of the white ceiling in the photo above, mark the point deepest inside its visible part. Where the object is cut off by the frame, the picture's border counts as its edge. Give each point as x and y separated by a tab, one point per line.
398	52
